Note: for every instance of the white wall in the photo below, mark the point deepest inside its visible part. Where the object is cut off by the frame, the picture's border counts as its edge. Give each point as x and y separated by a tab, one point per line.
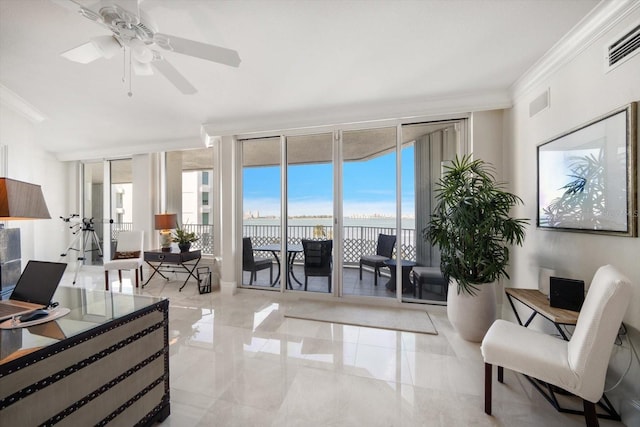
580	92
42	239
487	139
145	185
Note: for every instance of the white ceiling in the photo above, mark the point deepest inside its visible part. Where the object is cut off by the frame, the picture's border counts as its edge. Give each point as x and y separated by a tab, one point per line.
313	60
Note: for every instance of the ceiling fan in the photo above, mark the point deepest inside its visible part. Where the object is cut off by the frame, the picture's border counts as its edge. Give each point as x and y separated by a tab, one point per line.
134	33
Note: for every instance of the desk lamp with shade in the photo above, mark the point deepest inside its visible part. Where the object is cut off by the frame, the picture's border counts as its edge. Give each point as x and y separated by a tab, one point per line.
21	200
18	201
165	223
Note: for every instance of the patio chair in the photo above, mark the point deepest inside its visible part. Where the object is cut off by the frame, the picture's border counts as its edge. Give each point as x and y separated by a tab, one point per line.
254	264
579	365
384	251
129	255
431	276
317	259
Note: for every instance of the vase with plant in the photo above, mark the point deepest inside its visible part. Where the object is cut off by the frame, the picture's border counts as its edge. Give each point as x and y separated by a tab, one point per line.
183	238
472	226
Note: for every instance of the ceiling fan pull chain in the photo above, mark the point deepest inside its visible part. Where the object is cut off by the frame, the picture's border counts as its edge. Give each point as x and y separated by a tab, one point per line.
130	92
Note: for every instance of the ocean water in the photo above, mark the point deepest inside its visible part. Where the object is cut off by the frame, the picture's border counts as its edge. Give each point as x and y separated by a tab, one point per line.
407	223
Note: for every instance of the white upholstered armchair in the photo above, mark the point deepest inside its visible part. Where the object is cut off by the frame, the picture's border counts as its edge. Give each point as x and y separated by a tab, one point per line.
129	256
579	365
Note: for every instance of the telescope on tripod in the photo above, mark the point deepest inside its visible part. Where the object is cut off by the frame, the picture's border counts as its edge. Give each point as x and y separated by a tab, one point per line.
85	235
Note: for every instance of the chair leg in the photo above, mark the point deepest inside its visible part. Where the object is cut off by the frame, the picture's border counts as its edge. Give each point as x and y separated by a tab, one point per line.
120	276
137	283
360	270
487	388
106	280
141	278
500	374
251	277
271	274
590	417
376	272
306	279
329	284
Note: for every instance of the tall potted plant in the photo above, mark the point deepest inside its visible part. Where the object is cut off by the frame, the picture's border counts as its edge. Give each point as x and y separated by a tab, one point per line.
472	226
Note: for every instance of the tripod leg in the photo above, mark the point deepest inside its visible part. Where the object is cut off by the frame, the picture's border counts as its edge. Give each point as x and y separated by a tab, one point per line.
97	242
86	247
72	246
75	275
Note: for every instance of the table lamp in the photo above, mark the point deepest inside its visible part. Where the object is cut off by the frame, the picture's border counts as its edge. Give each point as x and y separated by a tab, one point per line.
21	200
18	201
165	223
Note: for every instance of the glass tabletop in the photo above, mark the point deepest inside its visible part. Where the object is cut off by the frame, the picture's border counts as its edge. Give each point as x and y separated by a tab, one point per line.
89	308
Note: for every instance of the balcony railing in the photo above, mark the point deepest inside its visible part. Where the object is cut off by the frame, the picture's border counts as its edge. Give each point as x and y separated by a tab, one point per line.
358	240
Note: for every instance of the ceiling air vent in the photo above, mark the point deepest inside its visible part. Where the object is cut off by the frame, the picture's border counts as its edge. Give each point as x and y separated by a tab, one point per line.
623	48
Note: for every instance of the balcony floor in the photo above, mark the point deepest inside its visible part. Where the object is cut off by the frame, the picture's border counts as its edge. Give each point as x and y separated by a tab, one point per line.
352	285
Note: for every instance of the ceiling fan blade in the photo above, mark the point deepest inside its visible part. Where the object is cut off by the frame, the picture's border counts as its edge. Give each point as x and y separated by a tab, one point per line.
84	54
76	7
200	50
173	75
99	47
71	5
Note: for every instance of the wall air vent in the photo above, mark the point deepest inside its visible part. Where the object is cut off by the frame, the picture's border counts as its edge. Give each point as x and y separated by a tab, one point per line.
623	48
541	102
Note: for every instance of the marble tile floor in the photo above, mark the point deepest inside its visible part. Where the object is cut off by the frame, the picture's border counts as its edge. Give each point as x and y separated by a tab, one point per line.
236	361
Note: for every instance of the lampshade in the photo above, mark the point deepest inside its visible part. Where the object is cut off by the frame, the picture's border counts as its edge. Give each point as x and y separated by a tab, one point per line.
21	200
166	221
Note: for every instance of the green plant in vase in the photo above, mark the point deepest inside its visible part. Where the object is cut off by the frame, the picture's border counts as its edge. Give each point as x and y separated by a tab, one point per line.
472	226
183	238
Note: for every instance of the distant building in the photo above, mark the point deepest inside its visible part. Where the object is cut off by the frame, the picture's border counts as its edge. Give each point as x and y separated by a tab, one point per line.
197	197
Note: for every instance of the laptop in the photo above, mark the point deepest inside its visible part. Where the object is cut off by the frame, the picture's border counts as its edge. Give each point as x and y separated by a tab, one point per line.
34	290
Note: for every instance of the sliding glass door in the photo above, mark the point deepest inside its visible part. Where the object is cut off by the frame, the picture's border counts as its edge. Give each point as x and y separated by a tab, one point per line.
309	225
369	211
426	148
367	194
261	219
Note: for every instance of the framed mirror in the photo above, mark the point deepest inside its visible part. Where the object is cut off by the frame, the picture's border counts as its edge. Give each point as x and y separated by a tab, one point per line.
587	177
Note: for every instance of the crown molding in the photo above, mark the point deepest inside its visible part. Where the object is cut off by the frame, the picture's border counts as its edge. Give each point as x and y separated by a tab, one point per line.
602	18
20	106
116	152
371	114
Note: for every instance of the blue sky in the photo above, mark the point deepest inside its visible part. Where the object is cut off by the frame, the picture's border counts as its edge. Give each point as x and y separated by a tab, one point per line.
369	187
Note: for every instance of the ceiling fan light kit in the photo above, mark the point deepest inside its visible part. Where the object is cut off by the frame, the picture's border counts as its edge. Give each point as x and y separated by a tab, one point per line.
133	31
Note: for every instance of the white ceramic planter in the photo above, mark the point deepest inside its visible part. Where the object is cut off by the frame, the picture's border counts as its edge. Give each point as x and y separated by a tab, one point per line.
471	316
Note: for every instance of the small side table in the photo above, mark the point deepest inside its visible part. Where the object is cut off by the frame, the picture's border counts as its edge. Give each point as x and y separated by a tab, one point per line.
167	262
407	266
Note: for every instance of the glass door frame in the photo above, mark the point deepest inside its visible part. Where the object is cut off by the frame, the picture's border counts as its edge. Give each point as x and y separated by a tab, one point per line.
107	201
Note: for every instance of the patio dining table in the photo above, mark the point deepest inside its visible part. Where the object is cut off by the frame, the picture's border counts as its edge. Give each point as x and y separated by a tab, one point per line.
292	251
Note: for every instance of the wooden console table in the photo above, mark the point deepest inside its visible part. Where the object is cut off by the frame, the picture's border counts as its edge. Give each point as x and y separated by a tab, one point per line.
538	302
167	262
106	362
